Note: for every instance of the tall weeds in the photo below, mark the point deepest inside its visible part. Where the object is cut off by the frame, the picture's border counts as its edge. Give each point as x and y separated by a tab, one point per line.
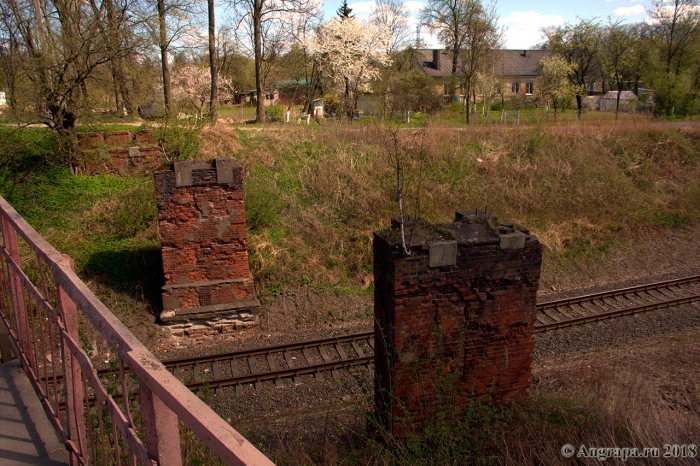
575	187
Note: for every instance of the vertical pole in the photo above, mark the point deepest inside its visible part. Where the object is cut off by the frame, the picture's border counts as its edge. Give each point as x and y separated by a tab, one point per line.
75	410
6	354
161	428
10	236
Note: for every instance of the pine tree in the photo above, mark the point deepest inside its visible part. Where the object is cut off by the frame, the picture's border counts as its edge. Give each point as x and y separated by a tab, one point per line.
344	11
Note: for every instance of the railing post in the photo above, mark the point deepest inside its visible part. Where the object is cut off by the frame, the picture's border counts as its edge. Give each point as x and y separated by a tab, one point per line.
10	236
161	428
75	410
5	348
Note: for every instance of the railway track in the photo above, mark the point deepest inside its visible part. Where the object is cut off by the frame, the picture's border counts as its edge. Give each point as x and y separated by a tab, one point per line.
284	364
330	354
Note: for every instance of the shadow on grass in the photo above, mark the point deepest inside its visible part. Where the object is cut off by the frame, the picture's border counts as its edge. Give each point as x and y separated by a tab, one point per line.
137	272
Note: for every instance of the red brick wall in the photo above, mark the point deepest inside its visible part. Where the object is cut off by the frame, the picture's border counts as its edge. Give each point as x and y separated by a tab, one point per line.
201	216
449	333
135	159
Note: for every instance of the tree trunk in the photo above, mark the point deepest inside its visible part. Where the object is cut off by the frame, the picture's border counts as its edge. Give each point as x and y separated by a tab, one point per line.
124	89
346	101
117	92
257	39
579	103
163	44
214	95
121	91
469	98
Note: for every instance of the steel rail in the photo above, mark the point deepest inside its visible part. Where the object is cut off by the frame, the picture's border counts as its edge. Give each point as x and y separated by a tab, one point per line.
267	350
283	373
618	292
616	313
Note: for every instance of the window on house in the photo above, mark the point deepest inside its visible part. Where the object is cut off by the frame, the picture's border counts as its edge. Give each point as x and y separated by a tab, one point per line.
529	88
590	86
515	88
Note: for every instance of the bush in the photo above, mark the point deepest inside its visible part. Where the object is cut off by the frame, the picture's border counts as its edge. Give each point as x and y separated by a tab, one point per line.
275	113
180	139
263	201
498	106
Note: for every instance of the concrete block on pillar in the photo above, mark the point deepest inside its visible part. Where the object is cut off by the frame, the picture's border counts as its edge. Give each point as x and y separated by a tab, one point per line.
442	253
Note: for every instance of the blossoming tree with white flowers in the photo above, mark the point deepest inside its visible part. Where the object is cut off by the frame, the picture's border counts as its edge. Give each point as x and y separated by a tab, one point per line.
349	54
192	85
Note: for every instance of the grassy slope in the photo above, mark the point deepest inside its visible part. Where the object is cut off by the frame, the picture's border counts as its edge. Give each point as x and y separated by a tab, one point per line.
315	194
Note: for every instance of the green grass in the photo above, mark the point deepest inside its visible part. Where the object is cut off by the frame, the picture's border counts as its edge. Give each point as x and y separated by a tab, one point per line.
107	224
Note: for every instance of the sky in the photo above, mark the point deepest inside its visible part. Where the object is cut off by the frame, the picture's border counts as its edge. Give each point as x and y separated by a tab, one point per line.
523	20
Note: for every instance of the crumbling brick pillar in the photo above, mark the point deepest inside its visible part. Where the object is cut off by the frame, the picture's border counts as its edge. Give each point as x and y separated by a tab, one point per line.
208	285
454	319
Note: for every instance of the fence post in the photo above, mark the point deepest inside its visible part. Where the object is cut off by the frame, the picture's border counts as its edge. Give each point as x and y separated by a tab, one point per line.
75	410
161	428
10	236
6	354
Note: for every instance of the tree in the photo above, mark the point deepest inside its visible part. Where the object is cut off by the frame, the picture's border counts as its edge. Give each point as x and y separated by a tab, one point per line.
63	45
193	85
344	11
554	83
676	26
348	52
617	56
392	17
212	62
578	44
487	85
10	63
173	21
267	24
481	36
446	18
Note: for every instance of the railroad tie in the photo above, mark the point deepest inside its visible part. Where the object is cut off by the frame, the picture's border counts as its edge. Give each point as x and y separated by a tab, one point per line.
198	378
216	372
341	352
327	359
254	371
273	368
358	350
307	356
296	380
236	373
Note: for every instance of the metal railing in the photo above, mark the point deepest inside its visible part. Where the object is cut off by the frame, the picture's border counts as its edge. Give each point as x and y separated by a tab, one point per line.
40	307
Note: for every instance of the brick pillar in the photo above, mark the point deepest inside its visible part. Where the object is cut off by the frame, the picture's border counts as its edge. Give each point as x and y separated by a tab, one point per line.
208	285
454	320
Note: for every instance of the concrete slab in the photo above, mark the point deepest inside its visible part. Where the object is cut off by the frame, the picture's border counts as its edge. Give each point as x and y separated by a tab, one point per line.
442	253
26	434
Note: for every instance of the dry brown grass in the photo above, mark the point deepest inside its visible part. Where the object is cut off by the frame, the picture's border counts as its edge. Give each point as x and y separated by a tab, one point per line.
217	141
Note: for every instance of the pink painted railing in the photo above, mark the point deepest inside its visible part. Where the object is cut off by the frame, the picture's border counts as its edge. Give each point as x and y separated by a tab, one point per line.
39	310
